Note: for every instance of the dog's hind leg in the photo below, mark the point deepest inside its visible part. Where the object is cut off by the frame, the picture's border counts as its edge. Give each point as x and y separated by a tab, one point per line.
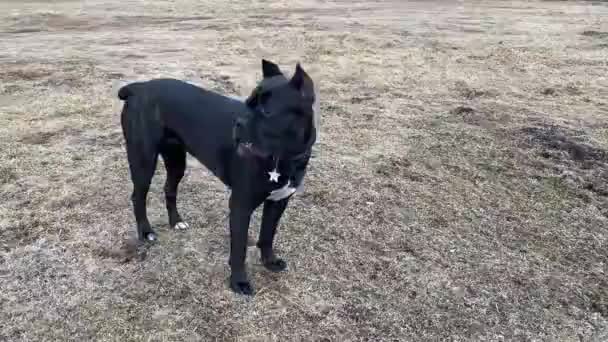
142	170
174	156
142	138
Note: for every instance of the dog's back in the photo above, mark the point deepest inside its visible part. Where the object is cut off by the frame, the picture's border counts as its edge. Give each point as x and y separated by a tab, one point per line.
166	108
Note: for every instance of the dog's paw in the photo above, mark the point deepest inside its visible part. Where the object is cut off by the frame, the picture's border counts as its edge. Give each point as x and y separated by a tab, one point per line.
181	226
275	265
151	236
242	287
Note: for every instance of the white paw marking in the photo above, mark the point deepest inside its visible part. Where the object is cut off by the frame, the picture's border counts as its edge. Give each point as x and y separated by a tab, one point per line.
151	236
181	225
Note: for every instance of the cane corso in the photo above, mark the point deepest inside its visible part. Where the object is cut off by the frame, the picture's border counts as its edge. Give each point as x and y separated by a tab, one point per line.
259	148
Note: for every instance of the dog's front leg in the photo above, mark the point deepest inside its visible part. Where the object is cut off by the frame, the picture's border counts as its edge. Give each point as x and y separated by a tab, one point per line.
240	216
270	219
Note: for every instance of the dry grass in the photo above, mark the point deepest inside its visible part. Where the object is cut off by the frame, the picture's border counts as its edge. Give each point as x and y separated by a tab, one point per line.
459	190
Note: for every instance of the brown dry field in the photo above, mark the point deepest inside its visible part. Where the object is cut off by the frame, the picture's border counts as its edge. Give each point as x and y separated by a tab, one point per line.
459	189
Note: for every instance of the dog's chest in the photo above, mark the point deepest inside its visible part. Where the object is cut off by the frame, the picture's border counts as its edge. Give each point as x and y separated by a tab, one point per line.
281	193
281	183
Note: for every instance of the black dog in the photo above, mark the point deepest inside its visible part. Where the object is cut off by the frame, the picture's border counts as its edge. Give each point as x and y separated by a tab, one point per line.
259	148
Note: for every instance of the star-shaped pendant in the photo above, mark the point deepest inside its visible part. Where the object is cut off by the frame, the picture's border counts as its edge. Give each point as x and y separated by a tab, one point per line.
274	176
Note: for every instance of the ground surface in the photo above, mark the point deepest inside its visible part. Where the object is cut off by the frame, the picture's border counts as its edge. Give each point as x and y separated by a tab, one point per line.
458	192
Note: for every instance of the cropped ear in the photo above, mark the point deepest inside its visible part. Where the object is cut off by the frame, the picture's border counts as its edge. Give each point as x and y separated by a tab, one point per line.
301	80
269	69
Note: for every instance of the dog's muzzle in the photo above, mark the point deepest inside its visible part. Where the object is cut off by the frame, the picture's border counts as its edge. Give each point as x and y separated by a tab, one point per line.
243	146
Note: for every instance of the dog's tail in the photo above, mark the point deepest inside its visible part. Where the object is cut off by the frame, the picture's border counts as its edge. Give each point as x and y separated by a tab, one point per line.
128	90
124	92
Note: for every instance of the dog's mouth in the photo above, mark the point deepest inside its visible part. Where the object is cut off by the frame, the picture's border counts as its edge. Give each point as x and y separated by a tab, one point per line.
249	149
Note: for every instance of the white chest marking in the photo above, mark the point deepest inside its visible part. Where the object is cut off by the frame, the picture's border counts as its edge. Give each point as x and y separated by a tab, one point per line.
281	193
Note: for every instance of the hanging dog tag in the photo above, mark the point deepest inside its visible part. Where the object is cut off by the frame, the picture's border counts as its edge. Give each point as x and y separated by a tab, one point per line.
274	176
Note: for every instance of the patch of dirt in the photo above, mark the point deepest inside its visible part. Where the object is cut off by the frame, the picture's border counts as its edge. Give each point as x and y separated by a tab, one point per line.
220	83
581	168
487	116
23	74
39	138
47	22
599	301
130	250
134	56
321	196
567	90
10	89
99	140
478	58
549	91
557	140
573	90
462	110
469	92
361	98
69	81
145	19
46	137
28	229
178	23
8	174
24	30
595	34
393	167
70	74
59	22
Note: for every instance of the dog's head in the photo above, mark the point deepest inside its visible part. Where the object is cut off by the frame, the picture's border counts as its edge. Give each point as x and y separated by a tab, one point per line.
283	119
